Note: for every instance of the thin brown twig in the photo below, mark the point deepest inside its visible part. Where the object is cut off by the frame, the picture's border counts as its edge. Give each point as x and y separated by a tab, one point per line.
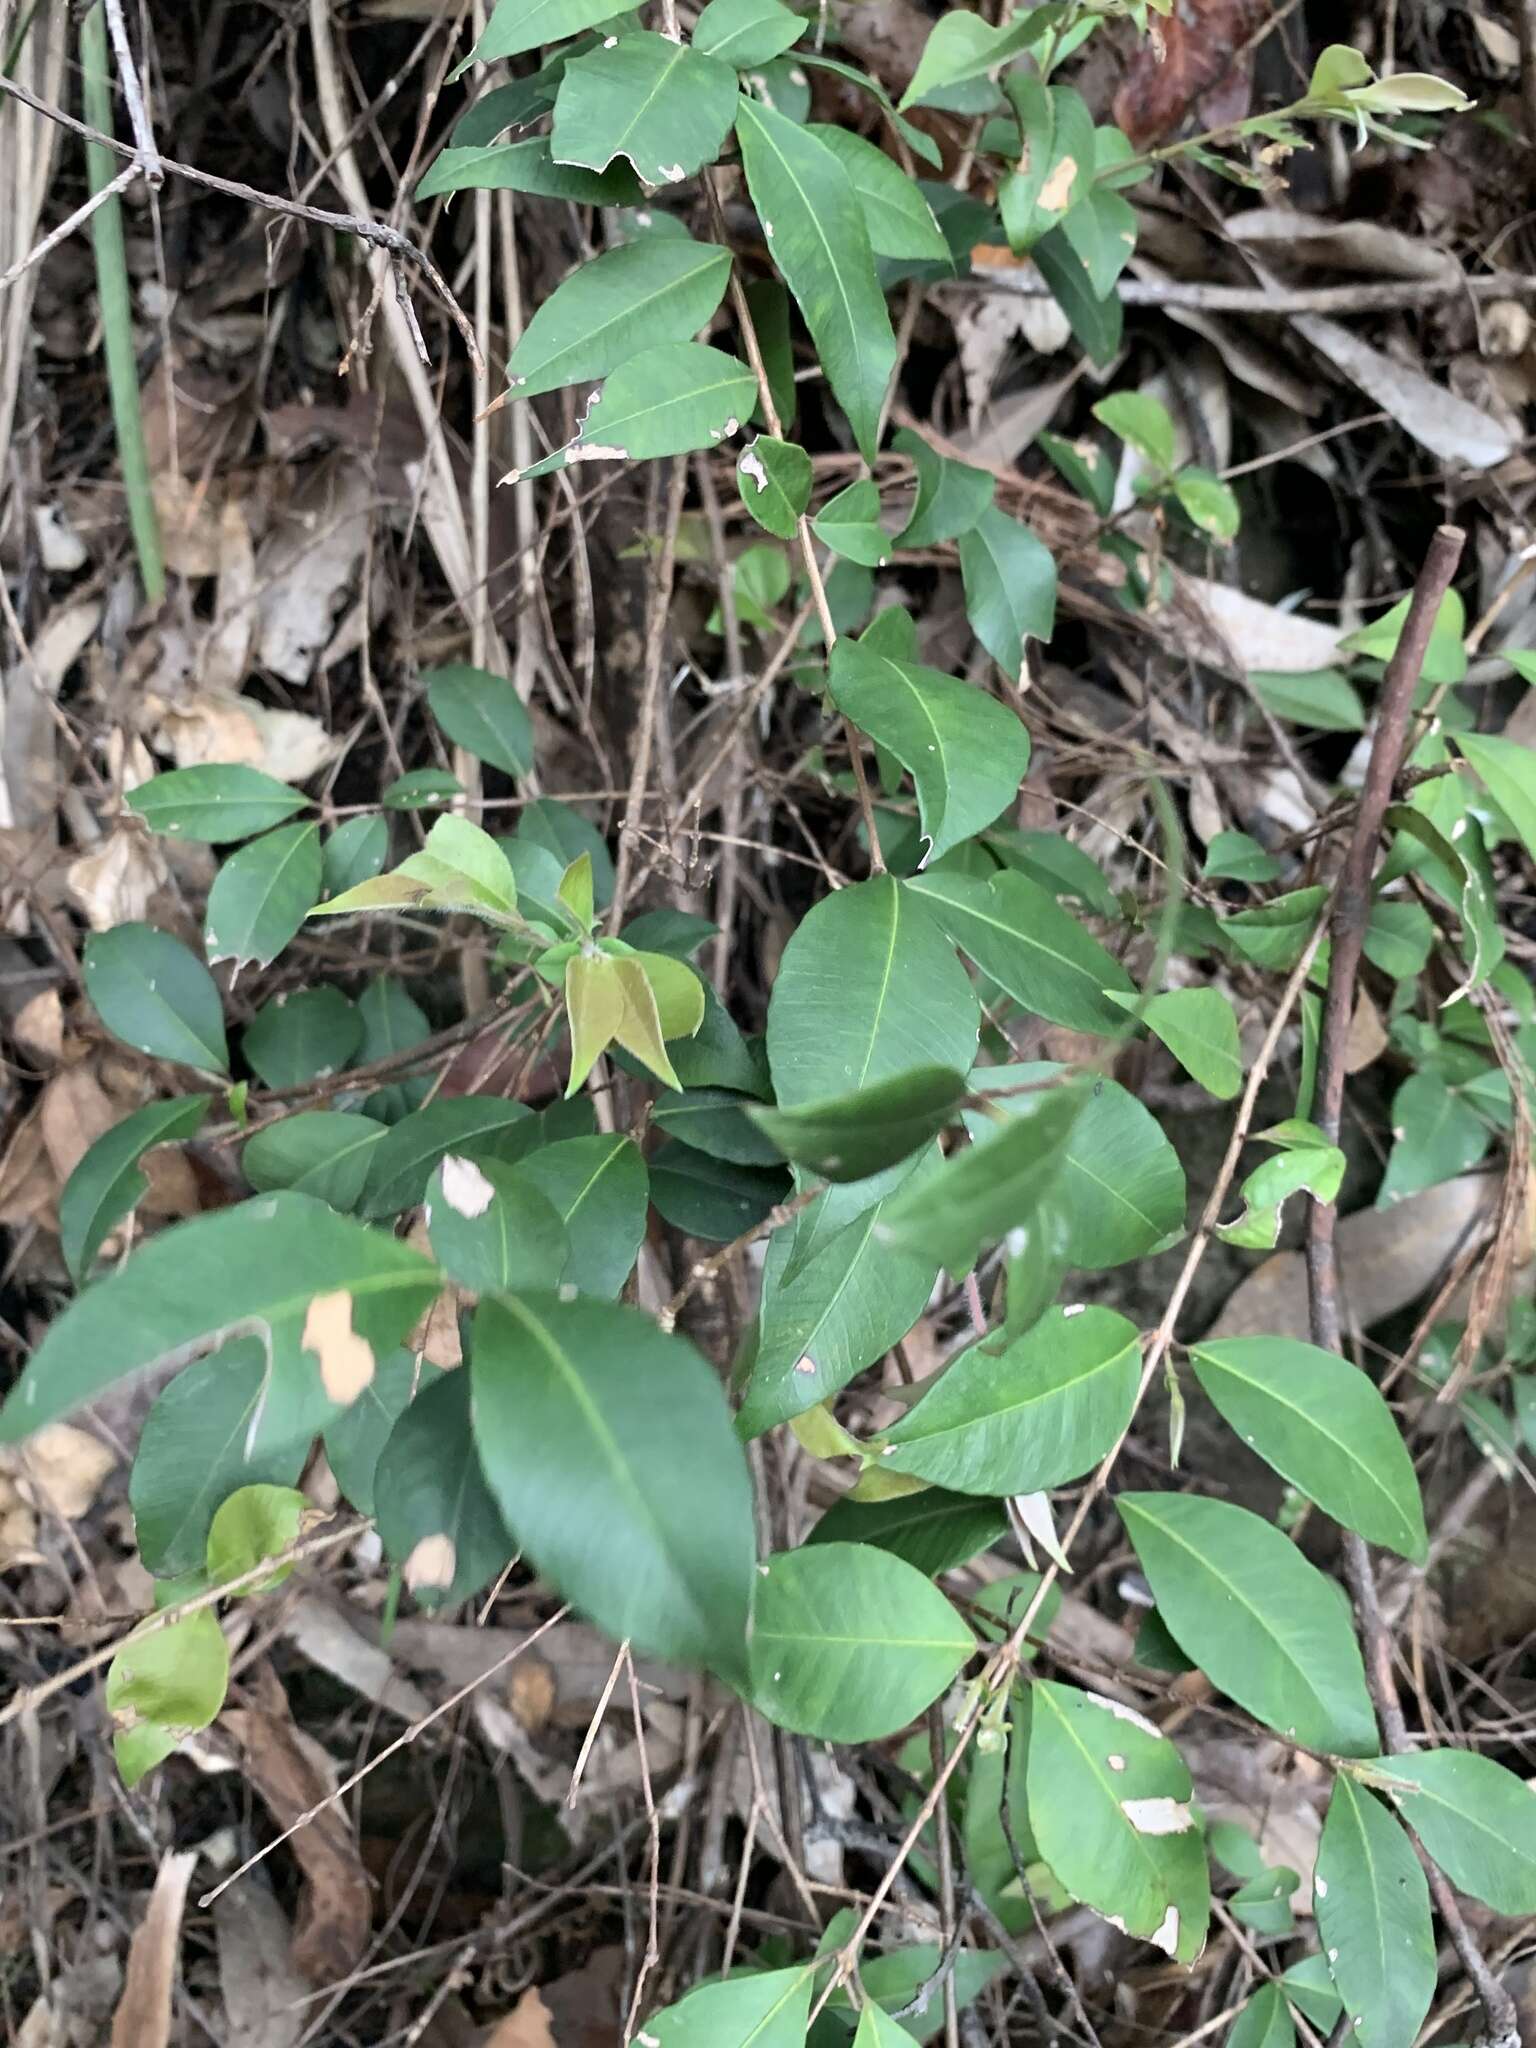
656	616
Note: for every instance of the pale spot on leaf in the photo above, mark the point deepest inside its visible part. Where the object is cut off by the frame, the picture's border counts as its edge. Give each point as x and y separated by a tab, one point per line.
1057	189
1122	1712
465	1188
431	1564
1167	1936
346	1359
750	464
1157	1816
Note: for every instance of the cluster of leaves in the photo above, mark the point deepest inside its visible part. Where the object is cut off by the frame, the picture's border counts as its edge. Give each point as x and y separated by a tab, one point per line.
876	1130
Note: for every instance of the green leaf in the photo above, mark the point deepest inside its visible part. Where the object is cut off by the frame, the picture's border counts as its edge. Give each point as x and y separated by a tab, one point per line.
1235	856
1372	1907
476	1126
328	1294
423	789
293	1038
1036	951
1507	771
1209	504
320	1152
1309	1986
1142	423
774	479
932	1531
1010	587
492	1229
478	711
867	988
850	1644
1023	1417
1263	1624
208	1433
354	853
895	1980
1274	935
625	300
1323	1426
1199	1028
107	1185
899	219
1307	1162
172	1681
1445	660
355	1439
1323	698
746	33
1109	1807
831	1305
254	1523
262	895
598	1188
715	1120
216	803
1100	231
878	2030
951	496
518	25
529	166
962	46
664	401
1264	2022
757	2009
659	103
1056	159
1398	938
156	996
1436	1134
853	1136
711	1198
1060	868
438	1520
814	222
1095	316
966	752
584	1414
849	524
1475	1818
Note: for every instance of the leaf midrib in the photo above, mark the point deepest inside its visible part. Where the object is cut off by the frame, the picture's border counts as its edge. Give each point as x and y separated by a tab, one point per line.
1063	1390
705	255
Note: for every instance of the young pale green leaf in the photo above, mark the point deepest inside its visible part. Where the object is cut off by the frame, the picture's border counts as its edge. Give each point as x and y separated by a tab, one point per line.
966	752
868	988
1323	1426
355	1439
584	1414
207	1434
1263	1624
1010	587
1199	1028
478	711
1507	771
1208	503
1109	1807
951	496
627	299
962	45
774	479
598	1189
460	868
320	1152
1022	1417
759	2009
1019	935
518	25
328	1294
438	1520
1143	423
660	104
262	895
1056	159
849	524
490	1228
596	1008
156	996
664	401
746	33
256	1522
167	1683
1264	2022
830	1308
216	802
107	1185
528	166
933	1531
1477	1819
853	1136
1372	1907
292	1039
475	1126
814	222
899	219
850	1644
1094	313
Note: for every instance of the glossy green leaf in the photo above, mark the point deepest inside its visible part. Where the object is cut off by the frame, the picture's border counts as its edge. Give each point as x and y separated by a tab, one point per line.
1323	1426
1020	936
1142	422
1094	314
355	1439
966	752
850	1644
1263	1624
156	996
660	104
849	524
1264	2022
529	166
292	1039
853	1136
329	1295
1199	1028
437	1517
664	401
107	1185
216	802
475	1126
1372	1907
320	1152
715	1120
478	711
584	1413
1109	1807
628	299
1055	162
1477	1819
173	1681
933	1531
898	218
256	1522
1508	773
518	25
962	45
757	2009
746	33
262	895
814	222
1022	1417
1010	587
774	479
951	496
1323	699
711	1198
490	1228
598	1188
355	852
208	1433
868	988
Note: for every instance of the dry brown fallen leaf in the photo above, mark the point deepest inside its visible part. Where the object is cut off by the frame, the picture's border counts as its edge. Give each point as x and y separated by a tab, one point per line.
264	1996
39	1027
1189	54
527	2025
143	2016
291	1773
58	1468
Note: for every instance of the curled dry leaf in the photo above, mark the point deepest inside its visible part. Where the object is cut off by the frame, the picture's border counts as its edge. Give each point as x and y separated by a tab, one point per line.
264	1996
1195	51
1436	418
143	2016
209	726
60	1469
39	1027
75	1110
306	566
1246	634
118	880
1364	246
